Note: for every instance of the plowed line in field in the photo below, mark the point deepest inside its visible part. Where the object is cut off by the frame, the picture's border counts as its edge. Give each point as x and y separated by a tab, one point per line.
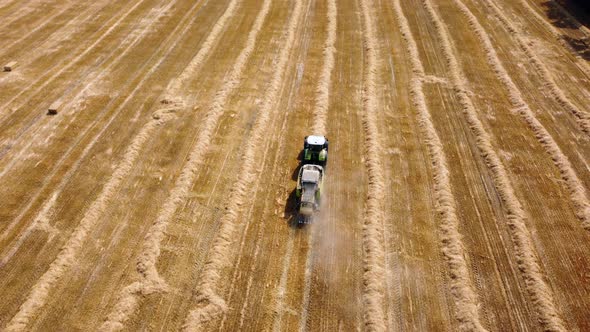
21	13
575	187
175	87
9	3
39	26
67	256
526	254
25	51
30	53
462	290
267	196
325	82
322	100
374	274
150	278
282	289
168	49
40	222
582	117
89	78
129	41
557	34
581	27
256	252
101	74
248	216
306	286
209	304
81	136
261	229
71	63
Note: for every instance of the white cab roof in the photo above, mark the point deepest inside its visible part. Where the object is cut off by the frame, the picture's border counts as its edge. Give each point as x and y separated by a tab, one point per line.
316	140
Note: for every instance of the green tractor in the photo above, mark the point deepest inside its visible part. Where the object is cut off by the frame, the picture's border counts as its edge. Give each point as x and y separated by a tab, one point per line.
315	150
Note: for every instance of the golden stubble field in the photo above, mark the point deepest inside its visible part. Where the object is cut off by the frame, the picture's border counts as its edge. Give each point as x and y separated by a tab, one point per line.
161	195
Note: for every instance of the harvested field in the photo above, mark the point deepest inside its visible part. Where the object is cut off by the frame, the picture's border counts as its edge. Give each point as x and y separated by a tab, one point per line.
149	152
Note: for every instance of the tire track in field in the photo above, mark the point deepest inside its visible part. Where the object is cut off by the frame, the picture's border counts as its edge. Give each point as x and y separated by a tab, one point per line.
582	117
585	67
393	264
42	216
25	9
63	61
77	99
99	76
306	288
281	290
151	281
209	304
272	174
175	87
526	254
92	76
8	3
374	274
257	25
38	26
267	198
67	257
576	189
320	114
89	72
462	288
74	22
581	27
4	4
62	69
131	40
325	81
49	204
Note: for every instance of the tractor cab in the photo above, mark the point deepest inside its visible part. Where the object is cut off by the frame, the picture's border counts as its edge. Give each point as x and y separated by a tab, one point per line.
315	150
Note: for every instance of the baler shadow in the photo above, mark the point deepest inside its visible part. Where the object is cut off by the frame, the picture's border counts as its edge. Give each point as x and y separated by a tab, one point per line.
290	212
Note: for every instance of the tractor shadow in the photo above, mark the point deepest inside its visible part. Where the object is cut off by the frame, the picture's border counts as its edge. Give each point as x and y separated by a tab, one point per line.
300	156
295	173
